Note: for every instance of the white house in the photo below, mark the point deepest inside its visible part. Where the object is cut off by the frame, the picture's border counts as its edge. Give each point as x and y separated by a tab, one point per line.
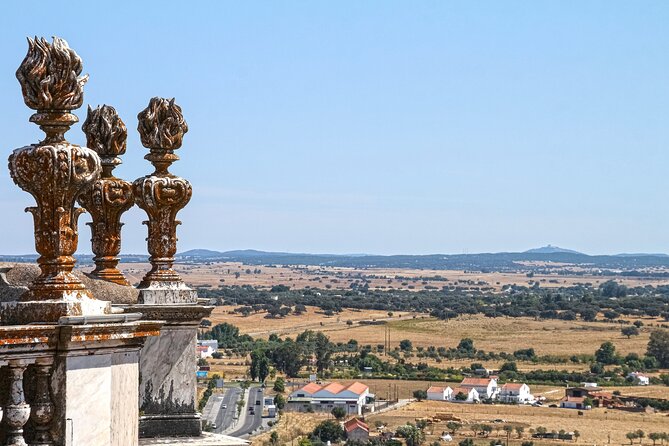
639	378
204	351
316	398
437	393
206	347
518	393
573	402
471	393
485	387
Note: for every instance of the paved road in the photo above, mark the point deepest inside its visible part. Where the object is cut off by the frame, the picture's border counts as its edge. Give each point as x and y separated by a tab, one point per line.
228	408
247	422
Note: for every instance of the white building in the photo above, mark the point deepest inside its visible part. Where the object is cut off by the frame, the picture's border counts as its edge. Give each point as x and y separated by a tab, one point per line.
485	387
471	393
318	398
206	347
518	393
437	393
639	378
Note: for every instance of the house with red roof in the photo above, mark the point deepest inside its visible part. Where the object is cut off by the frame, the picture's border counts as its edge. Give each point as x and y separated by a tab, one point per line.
356	430
439	393
317	398
518	393
486	387
465	395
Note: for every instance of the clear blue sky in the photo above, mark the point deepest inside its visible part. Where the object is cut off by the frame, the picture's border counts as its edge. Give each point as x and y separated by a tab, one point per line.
378	126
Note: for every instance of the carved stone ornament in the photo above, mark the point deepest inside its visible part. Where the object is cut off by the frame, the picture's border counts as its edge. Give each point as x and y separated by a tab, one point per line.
162	195
109	197
55	173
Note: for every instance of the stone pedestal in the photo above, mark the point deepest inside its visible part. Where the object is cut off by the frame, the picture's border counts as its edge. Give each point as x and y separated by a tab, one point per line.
168	383
87	371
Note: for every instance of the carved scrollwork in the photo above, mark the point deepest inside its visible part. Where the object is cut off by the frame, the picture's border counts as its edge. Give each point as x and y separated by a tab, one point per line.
162	195
54	171
109	197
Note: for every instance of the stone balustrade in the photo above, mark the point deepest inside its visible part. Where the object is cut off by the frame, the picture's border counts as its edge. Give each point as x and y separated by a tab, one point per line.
43	366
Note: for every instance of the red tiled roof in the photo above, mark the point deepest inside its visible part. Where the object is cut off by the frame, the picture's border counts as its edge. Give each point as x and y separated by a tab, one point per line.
478	382
463	390
357	388
311	388
355	423
436	389
335	388
512	386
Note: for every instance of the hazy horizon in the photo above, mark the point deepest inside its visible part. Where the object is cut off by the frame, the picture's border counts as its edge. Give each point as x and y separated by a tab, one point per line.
377	127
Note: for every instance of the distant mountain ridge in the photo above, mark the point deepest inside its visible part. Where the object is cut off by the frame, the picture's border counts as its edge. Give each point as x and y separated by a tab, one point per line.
503	261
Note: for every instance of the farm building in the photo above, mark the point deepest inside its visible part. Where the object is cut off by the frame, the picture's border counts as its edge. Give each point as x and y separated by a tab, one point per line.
317	398
485	387
518	393
356	430
437	393
639	378
471	395
573	402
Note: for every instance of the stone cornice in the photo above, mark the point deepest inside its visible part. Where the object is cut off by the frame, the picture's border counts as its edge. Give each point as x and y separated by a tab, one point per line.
171	314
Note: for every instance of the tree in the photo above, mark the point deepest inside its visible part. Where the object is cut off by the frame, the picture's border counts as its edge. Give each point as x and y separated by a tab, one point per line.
259	365
461	396
520	430
509	430
658	347
655	436
304	441
406	345
279	401
452	426
486	429
631	436
279	385
420	395
466	345
339	413
630	331
640	435
323	351
411	434
606	353
329	430
288	357
274	438
466	442
509	367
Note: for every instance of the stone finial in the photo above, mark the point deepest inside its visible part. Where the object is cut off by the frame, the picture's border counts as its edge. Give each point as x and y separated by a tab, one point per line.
55	173
109	197
105	133
162	195
50	76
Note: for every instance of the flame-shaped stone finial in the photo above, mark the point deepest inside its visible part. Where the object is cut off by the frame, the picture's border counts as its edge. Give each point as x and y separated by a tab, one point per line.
55	173
162	195
109	197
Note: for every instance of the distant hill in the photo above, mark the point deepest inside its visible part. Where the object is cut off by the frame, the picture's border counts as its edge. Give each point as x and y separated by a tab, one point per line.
503	261
550	249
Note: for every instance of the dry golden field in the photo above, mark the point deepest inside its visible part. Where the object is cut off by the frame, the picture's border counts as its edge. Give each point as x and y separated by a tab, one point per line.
595	425
547	337
231	273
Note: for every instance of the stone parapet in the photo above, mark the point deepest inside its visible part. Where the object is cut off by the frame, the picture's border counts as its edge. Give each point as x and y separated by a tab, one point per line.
74	380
